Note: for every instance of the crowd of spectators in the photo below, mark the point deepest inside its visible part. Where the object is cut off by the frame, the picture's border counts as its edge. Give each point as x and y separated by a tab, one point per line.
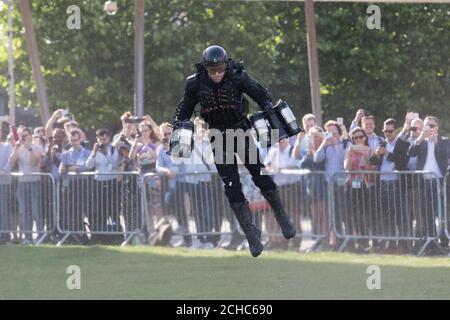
189	194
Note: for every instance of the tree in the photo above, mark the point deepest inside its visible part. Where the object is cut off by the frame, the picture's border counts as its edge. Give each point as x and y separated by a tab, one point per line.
404	66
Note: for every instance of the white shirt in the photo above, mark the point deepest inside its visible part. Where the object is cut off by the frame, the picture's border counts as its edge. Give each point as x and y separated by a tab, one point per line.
281	159
388	166
431	163
25	165
196	163
108	163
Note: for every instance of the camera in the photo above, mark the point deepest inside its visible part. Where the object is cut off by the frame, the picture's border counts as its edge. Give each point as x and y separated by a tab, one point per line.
134	120
382	144
65	116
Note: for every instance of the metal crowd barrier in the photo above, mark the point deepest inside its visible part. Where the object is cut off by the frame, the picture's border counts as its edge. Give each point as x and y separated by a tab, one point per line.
194	201
198	204
305	198
358	207
386	208
94	207
27	207
447	205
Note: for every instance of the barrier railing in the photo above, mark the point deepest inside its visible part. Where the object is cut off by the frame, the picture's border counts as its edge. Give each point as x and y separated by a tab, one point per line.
99	206
304	196
198	205
386	208
27	207
446	197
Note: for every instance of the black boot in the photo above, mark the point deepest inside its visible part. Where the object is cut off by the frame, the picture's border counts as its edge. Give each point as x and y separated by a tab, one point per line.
274	199
253	234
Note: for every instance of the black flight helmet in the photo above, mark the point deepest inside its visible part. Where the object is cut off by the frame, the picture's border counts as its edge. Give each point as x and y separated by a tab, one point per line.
214	56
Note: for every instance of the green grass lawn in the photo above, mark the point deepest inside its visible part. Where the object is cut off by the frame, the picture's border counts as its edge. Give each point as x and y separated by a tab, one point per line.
167	273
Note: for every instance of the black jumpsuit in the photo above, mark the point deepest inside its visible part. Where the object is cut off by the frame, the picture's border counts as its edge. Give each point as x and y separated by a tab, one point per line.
223	106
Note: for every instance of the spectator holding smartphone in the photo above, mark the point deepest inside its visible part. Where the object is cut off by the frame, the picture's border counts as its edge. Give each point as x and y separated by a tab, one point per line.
28	156
144	151
392	155
358	185
368	125
411	132
52	158
432	151
74	204
332	149
302	142
104	158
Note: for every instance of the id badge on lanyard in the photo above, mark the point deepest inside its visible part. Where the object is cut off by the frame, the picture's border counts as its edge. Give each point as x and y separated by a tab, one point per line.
356	183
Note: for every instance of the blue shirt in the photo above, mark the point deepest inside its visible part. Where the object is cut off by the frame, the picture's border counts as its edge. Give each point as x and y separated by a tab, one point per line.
75	158
163	160
334	156
5	152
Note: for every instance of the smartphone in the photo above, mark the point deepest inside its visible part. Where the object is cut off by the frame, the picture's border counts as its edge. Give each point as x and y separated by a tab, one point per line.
414	115
382	144
65	112
340	121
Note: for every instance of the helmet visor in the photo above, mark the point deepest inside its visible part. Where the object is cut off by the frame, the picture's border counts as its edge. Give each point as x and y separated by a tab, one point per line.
212	70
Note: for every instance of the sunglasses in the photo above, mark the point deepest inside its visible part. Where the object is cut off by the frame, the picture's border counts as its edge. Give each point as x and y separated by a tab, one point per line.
432	126
388	131
414	129
358	137
217	69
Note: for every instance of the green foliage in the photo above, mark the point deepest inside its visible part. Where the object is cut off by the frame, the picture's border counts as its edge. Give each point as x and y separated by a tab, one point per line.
404	66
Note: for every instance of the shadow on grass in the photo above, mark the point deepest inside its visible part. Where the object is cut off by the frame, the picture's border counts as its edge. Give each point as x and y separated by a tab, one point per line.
163	273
